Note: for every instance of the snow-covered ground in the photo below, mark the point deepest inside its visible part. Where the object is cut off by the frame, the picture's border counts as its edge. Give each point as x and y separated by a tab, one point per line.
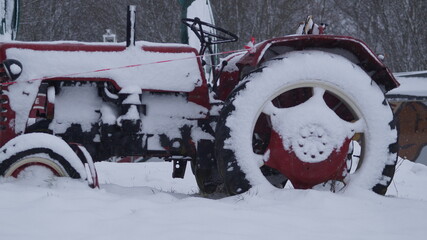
142	201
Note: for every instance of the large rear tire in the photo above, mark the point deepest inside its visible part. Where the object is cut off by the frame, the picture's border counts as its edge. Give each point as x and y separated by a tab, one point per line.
299	114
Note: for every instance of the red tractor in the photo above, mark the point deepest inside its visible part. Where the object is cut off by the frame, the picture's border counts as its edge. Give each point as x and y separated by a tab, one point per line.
307	110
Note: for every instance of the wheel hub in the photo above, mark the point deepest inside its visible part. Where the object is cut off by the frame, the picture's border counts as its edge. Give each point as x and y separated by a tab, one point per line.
313	142
309	142
304	175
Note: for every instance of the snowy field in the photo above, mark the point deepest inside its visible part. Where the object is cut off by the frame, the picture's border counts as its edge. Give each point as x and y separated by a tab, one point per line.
142	201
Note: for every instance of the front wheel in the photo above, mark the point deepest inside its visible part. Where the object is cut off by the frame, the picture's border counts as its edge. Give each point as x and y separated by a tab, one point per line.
298	115
39	155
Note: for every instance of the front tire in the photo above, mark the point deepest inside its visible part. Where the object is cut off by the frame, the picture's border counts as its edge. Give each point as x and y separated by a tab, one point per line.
37	151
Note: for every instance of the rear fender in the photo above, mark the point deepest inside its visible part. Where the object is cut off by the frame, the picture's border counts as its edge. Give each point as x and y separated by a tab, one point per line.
353	49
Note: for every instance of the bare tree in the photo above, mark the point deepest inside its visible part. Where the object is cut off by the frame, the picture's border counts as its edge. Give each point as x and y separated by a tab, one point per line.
86	20
396	28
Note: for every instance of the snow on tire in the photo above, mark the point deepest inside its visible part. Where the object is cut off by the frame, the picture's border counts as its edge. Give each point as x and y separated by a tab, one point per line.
298	114
39	153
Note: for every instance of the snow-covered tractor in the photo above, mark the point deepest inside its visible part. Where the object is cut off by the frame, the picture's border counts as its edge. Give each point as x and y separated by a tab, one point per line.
305	110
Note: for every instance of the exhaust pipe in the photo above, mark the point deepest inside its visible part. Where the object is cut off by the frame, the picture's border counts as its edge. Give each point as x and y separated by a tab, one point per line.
130	34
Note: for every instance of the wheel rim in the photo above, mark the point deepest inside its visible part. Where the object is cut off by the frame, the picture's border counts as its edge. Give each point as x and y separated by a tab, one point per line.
304	131
20	166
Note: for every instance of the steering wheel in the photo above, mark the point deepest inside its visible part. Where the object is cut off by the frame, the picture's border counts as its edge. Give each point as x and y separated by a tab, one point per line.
209	34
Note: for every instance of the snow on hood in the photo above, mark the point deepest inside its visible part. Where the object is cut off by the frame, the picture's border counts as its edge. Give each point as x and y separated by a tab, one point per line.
183	74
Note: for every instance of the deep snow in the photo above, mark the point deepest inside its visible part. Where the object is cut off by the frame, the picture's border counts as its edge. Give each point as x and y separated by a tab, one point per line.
142	201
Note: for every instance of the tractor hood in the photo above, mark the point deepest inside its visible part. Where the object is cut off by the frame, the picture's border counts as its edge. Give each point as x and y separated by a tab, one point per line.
163	67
